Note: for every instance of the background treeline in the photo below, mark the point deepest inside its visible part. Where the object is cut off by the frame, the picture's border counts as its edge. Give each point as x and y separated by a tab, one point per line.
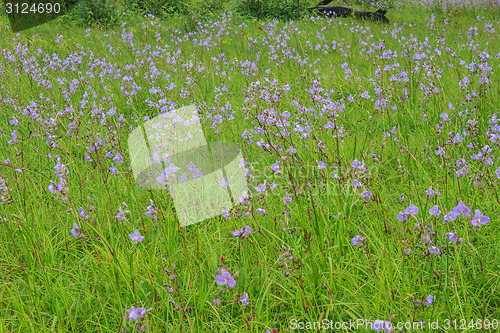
103	12
107	13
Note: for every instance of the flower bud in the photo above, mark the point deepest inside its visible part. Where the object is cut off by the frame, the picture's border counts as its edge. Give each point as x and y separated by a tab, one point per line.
170	289
407	252
426	239
216	302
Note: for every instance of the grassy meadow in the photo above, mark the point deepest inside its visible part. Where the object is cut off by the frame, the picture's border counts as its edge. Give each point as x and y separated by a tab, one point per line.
371	153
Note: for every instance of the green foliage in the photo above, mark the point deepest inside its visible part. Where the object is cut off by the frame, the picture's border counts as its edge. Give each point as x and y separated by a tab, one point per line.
281	9
157	8
187	8
95	13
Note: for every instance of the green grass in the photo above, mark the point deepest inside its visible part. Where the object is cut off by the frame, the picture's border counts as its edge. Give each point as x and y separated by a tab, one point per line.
53	282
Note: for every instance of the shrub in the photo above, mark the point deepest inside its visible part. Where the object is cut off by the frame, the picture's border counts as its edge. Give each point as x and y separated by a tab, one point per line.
95	12
281	9
158	8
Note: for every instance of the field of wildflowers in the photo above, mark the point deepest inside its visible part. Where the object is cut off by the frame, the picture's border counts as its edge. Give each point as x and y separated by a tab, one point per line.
371	153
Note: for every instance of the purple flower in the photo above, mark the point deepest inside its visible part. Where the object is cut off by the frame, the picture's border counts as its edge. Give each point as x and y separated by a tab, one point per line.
478	218
118	158
224	182
14	138
113	170
487	149
457	138
14	121
412	209
244	299
450	216
287	199
76	231
243	231
365	95
244	197
429	300
430	192
135	314
451	236
440	151
53	187
402	216
434	250
82	213
155	158
435	211
172	168
261	211
260	188
162	179
356	183
321	165
497	172
183	178
121	214
356	164
381	325
461	209
357	240
152	211
366	195
197	173
225	278
61	169
136	237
